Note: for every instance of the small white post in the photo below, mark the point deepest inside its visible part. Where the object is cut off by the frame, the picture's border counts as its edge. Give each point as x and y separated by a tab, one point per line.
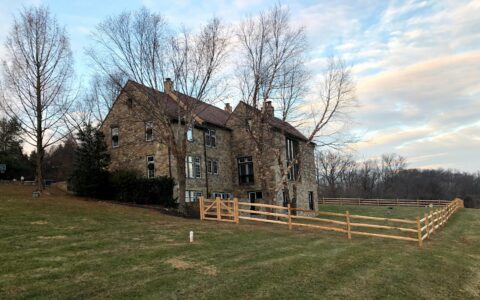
191	236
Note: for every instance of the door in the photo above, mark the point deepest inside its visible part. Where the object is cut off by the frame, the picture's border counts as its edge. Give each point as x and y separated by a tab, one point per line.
253	197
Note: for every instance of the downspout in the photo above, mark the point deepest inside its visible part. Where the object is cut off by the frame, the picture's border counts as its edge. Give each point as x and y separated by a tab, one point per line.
205	155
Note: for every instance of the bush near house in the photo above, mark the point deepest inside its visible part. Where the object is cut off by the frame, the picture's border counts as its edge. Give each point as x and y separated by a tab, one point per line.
128	186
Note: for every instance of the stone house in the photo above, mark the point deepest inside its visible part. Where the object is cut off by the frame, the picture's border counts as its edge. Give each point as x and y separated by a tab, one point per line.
220	158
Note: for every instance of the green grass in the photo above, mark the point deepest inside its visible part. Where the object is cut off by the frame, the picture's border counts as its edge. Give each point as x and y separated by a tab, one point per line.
61	247
399	212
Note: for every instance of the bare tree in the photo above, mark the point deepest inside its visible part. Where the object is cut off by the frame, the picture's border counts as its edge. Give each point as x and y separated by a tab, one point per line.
38	77
272	68
138	46
332	167
104	89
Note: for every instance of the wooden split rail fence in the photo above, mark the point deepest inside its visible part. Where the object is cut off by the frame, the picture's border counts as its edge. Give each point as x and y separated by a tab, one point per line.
412	230
383	202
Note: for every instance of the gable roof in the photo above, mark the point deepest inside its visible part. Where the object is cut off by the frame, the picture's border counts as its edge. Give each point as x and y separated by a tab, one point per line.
280	124
209	113
206	112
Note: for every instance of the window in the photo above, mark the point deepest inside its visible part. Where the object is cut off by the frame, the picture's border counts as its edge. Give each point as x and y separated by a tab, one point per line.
311	205
190	134
192	196
292	158
222	195
150	166
148	131
129	103
210	138
245	170
115	141
212	167
192	167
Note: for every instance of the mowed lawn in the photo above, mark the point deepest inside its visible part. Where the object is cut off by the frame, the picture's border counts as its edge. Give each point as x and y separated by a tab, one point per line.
59	246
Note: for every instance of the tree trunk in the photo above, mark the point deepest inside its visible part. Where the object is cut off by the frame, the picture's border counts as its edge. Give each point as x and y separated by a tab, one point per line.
181	178
39	133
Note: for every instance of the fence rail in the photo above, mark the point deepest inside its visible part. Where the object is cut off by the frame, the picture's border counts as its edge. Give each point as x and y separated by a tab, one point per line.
412	230
383	202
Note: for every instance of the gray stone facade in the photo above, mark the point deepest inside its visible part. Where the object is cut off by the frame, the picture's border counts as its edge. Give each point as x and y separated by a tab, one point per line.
232	143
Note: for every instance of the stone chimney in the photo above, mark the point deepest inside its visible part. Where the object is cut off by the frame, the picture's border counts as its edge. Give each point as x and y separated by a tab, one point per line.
268	107
228	108
168	85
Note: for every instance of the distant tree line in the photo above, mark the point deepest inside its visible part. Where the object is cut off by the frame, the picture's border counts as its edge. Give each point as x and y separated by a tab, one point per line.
340	175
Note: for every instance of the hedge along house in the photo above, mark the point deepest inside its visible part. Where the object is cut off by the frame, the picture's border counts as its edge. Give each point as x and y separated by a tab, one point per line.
220	160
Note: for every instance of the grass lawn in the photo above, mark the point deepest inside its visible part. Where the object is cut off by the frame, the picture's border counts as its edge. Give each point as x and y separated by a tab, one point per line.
58	246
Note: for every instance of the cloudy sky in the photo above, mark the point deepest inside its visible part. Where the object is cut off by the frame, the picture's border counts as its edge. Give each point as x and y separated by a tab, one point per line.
416	63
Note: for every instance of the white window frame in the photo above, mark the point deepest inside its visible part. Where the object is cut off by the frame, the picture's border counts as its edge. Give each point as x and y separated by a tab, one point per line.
114	131
192	196
193	167
150	161
190	134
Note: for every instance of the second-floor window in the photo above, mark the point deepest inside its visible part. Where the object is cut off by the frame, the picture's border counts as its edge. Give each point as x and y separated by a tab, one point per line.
115	139
212	167
193	167
148	131
150	166
292	159
245	170
210	138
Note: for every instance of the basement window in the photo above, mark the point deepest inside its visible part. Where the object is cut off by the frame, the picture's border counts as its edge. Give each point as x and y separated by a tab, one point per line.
192	196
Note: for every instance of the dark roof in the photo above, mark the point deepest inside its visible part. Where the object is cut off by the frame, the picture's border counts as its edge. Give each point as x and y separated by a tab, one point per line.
207	112
210	113
281	125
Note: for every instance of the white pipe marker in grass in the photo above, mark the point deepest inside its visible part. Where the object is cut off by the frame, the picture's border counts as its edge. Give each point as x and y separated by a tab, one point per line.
191	236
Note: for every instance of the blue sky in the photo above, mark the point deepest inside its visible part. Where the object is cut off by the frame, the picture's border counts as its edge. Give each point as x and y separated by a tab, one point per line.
416	64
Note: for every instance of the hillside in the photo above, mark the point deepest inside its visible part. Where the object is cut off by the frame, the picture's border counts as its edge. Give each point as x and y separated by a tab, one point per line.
64	247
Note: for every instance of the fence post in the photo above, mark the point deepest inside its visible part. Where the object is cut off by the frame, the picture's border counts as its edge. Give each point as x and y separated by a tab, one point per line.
419	230
202	209
289	217
428	225
219	208
349	234
323	200
235	210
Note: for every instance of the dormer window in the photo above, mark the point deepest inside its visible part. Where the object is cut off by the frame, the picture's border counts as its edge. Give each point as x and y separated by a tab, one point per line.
115	139
148	131
210	138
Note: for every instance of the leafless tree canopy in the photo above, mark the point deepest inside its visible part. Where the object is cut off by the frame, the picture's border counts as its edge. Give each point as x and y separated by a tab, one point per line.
271	65
133	44
140	46
334	98
38	78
